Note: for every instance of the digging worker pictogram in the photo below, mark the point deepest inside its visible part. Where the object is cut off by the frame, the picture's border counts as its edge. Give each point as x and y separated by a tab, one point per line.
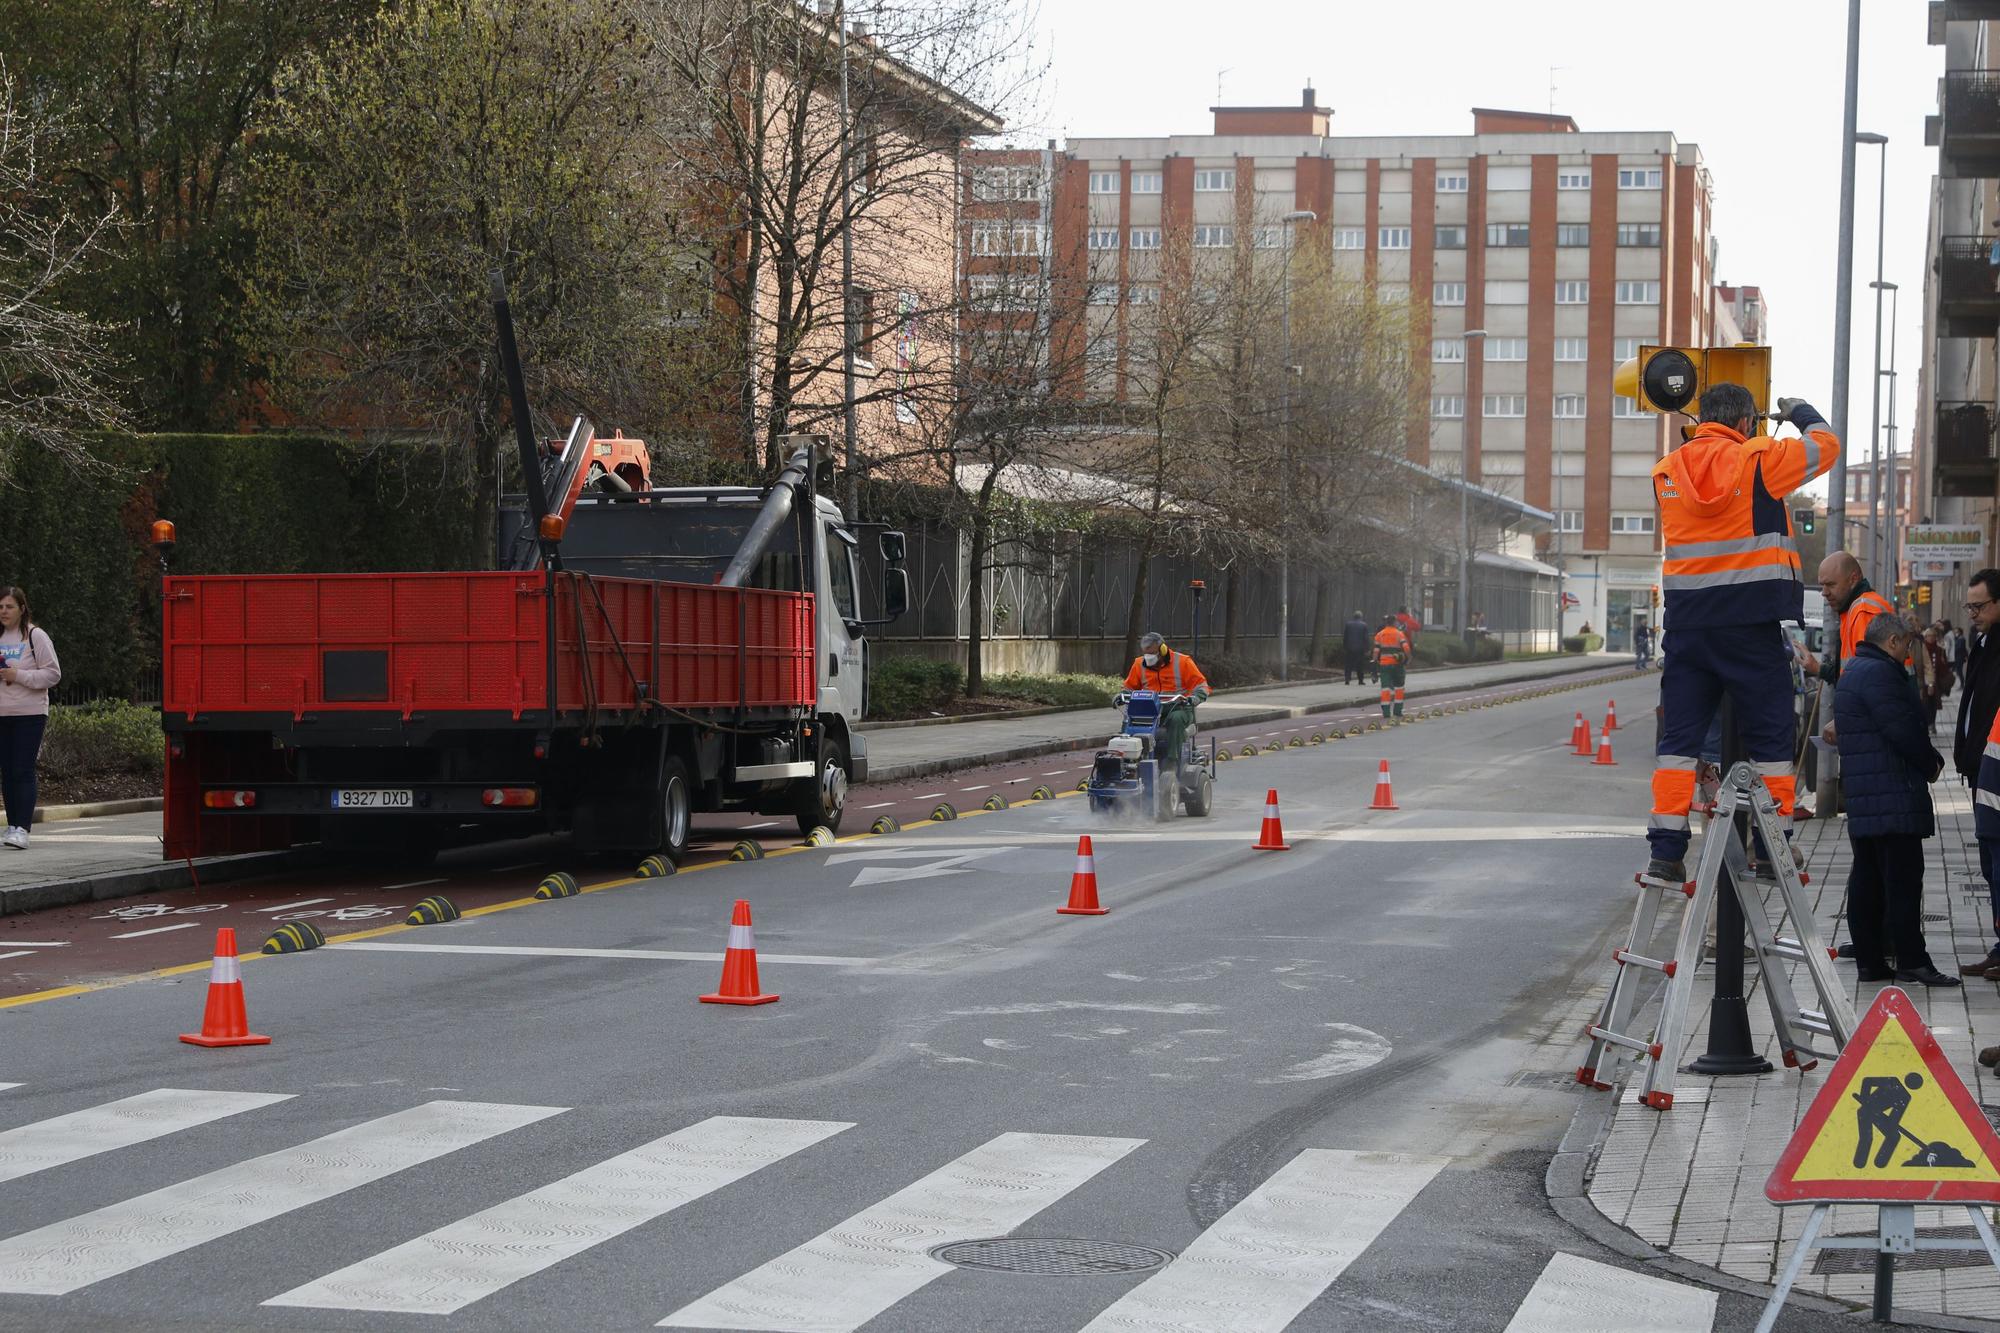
1730	575
1880	1106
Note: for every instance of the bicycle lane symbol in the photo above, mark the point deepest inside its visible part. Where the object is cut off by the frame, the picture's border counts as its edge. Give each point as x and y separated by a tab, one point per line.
148	911
355	912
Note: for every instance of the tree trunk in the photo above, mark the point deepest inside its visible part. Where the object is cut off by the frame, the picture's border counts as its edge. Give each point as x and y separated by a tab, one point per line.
1232	608
975	601
486	438
1135	614
1319	620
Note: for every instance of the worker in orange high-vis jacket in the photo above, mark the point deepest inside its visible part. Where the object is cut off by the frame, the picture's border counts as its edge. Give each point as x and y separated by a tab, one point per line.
1392	656
1846	590
1730	575
1167	673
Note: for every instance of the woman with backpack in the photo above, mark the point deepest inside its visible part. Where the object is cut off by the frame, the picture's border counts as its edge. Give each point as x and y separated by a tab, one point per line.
28	671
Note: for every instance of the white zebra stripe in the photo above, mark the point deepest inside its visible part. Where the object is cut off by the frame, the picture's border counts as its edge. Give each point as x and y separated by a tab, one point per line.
476	1256
845	1277
120	1124
69	1255
1578	1295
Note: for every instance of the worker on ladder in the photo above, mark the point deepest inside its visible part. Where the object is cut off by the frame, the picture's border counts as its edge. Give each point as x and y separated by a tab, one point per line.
1730	575
1392	658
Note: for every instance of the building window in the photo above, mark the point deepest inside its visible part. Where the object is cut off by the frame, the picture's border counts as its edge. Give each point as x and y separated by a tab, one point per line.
1506	349
1145	238
1393	238
1621	406
1350	238
1572	233
1142	293
1447	349
1450	238
1002	183
1145	182
1453	182
1638	293
1104	182
1214	237
1572	349
1102	293
1447	293
1103	238
1509	178
1006	238
1268	238
1505	405
1507	233
992	292
1638	178
1574	178
1569	405
1631	524
1573	291
1638	233
1447	407
1214	180
1569	520
1624	349
1506	291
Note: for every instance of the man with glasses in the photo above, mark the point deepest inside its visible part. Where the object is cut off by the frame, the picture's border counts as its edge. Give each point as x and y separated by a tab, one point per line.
1977	708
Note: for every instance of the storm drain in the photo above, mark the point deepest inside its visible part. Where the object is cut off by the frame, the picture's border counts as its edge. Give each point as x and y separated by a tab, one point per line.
1051	1256
1863	1261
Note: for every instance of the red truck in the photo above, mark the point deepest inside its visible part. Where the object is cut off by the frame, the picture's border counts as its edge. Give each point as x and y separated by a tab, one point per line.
642	655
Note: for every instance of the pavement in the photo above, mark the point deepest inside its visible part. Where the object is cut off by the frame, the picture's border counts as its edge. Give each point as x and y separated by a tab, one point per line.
1687	1184
1310	1089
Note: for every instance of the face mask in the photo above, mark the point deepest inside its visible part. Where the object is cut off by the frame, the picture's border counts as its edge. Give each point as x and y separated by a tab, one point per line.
1152	659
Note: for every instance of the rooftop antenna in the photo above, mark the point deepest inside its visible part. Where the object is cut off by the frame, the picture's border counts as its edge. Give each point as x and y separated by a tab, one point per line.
1552	86
1218	85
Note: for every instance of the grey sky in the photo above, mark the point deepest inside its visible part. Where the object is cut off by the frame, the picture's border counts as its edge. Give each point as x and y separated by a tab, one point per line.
1756	83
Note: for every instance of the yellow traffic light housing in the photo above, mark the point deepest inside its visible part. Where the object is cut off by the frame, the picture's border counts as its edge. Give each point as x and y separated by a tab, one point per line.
1670	379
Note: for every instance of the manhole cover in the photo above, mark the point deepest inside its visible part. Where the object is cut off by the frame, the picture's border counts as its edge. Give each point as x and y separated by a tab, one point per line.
1935	916
1863	1261
1051	1256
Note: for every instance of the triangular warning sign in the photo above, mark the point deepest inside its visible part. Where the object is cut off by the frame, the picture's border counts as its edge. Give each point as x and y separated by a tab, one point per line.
1892	1124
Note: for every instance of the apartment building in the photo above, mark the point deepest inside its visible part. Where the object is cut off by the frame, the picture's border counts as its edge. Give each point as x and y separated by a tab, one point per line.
1568	248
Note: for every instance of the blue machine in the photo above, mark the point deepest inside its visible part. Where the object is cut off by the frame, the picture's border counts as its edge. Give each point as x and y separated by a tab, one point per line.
1130	776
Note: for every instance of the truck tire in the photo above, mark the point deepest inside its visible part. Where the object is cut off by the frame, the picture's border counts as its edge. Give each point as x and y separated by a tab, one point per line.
821	800
675	799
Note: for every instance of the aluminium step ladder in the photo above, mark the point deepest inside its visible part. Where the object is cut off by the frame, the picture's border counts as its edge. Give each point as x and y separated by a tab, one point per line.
1722	848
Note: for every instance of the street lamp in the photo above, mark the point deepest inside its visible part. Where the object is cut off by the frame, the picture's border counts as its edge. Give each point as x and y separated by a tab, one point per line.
1891	566
1469	337
1285	428
1875	564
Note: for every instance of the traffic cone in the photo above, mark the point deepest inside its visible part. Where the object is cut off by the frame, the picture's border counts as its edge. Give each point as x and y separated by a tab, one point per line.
1083	883
1385	795
1611	715
224	1021
1271	837
1604	758
1582	737
739	964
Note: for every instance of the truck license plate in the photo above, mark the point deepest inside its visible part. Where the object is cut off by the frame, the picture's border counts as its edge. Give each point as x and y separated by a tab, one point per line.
371	798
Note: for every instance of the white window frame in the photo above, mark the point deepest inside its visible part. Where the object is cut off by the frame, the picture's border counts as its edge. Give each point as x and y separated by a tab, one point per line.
1629	232
1144	238
1101	238
1146	182
1624	349
1447	407
1143	293
1504	405
1506	231
1001	184
1392	238
1579	346
1101	293
1581	229
1625	408
1572	178
1639	178
1447	293
1447	350
1504	349
1214	180
1638	291
1267	238
1214	236
1570	406
1569	520
997	291
1350	238
1105	182
1453	180
1632	523
1438	241
1573	291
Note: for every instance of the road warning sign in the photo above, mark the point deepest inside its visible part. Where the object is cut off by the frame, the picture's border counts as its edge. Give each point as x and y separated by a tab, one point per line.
1892	1124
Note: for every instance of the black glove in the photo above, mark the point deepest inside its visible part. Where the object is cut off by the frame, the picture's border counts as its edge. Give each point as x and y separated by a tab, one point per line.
1800	413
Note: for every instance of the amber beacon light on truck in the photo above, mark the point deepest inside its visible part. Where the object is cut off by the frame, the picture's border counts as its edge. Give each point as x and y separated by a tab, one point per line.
1670	379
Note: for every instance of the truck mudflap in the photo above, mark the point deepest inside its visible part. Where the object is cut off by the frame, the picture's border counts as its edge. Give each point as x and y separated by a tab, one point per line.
857	757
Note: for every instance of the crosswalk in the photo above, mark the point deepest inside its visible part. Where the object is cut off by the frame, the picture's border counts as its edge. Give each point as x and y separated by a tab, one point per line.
1254	1270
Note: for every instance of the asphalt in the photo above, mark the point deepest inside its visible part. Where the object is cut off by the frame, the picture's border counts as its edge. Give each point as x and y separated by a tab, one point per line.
1400	985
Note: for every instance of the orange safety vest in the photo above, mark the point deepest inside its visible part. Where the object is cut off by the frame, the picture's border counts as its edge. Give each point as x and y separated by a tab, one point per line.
1730	557
1391	644
1854	621
1176	674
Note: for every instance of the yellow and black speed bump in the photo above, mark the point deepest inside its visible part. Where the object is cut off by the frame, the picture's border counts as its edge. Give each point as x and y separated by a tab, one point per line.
1272	748
1223	756
821	836
1354	731
653	867
885	824
1248	752
747	850
1374	726
560	884
436	908
1295	744
1083	784
1317	738
944	813
994	802
1042	793
294	937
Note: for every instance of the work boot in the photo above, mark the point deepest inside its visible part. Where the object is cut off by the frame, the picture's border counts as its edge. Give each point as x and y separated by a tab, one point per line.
1673	872
1926	976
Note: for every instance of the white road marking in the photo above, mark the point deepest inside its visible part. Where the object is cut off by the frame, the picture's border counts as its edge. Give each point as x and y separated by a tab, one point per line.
950	863
1265	1260
474	1257
1354	1049
981	787
70	1255
931	797
120	1124
156	930
519	865
654	955
38	944
5	1086
1058	773
303	902
17	953
1578	1295
847	1276
769	823
879	805
413	884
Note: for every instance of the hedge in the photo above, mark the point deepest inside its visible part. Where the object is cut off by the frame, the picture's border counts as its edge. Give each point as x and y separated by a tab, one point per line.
98	739
909	686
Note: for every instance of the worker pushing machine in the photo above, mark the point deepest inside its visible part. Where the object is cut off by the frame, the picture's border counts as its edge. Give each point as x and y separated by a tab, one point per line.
1392	655
1165	672
1730	575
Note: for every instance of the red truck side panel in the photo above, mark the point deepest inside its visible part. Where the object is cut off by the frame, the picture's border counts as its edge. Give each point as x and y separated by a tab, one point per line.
700	647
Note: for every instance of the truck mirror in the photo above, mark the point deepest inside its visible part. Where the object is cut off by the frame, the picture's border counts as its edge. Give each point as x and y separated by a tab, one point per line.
895	591
893	549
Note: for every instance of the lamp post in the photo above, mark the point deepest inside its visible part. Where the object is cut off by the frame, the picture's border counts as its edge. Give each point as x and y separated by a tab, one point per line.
1891	566
1285	429
1468	338
1874	563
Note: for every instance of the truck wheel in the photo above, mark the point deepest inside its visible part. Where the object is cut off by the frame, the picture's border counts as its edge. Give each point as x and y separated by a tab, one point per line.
676	802
822	800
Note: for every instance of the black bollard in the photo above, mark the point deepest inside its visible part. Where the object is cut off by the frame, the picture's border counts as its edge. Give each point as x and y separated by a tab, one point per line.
1729	1047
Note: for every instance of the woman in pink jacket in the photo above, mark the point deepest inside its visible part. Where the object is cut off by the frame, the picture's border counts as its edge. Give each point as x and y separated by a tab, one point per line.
28	671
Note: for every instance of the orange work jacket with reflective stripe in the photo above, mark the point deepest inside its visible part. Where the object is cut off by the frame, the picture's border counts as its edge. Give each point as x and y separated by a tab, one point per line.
1392	646
1730	557
1176	674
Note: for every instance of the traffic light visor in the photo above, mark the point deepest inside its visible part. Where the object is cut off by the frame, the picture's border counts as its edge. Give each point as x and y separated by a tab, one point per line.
1670	379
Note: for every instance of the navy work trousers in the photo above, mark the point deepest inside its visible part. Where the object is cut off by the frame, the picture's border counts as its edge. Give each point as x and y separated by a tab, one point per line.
1751	664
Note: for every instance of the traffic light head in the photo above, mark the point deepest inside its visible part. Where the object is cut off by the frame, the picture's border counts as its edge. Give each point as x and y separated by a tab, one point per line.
1668	379
1804	521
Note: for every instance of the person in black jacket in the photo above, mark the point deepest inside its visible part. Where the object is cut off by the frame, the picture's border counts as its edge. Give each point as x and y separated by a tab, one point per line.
1355	640
1887	764
1976	707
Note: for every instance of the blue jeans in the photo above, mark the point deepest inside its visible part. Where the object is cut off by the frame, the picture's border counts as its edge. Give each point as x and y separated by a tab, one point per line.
20	746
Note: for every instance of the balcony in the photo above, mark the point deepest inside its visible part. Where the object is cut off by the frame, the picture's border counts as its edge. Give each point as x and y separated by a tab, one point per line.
1968	463
1968	286
1969	147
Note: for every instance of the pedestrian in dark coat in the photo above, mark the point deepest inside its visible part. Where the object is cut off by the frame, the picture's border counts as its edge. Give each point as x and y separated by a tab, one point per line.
1887	764
1355	640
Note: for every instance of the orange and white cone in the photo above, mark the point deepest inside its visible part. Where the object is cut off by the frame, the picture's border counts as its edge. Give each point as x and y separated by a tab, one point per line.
739	964
1582	737
1271	837
1385	794
1604	750
224	1021
1611	715
1083	883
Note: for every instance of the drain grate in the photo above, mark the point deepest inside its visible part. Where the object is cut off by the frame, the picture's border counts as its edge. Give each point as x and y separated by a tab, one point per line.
1863	1261
1051	1256
1936	916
